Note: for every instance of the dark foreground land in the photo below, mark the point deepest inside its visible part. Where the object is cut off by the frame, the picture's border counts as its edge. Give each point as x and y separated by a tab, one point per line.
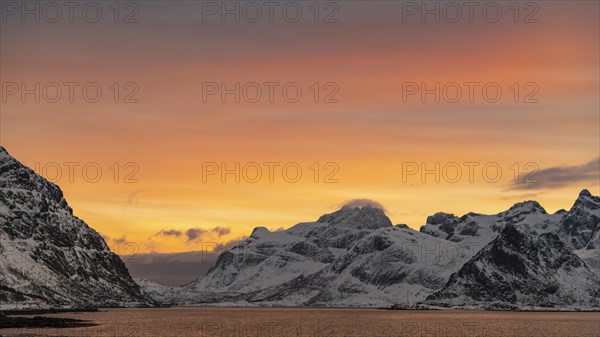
15	319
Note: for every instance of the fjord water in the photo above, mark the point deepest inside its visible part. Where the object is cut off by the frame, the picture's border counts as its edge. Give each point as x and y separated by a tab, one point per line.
310	322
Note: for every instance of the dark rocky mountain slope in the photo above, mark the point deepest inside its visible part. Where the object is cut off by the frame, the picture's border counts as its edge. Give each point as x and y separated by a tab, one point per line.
48	256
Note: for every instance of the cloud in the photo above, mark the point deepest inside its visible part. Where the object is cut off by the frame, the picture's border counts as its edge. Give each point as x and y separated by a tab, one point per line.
170	232
196	234
118	241
360	203
558	176
221	231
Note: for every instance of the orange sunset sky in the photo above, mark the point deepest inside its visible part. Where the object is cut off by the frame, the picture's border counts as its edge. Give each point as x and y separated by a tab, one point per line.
368	136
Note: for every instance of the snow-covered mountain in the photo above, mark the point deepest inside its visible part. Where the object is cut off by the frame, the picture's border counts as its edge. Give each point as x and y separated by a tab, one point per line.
49	257
268	259
533	259
482	229
394	265
351	257
356	257
522	269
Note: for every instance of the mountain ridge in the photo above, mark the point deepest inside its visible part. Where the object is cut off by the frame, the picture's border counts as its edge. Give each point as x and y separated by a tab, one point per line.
352	257
520	267
338	262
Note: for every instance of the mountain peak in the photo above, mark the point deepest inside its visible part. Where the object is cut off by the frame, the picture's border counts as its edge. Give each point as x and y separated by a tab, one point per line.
582	221
4	154
358	217
440	218
587	198
258	232
16	175
526	207
585	193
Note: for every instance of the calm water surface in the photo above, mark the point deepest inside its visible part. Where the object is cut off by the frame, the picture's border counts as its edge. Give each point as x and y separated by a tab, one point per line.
270	322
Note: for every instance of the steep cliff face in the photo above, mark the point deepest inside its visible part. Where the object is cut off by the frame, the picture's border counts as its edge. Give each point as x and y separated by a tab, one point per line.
522	269
48	256
580	227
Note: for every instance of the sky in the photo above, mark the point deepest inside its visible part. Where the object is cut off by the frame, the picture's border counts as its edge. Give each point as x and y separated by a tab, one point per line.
142	107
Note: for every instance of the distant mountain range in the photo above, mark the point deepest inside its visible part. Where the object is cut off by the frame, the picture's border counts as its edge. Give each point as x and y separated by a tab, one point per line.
522	258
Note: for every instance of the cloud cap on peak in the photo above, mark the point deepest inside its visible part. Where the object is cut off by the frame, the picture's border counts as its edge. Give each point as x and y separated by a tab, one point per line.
358	214
360	203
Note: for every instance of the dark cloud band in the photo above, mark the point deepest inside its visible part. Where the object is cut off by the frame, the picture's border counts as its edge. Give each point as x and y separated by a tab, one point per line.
559	176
